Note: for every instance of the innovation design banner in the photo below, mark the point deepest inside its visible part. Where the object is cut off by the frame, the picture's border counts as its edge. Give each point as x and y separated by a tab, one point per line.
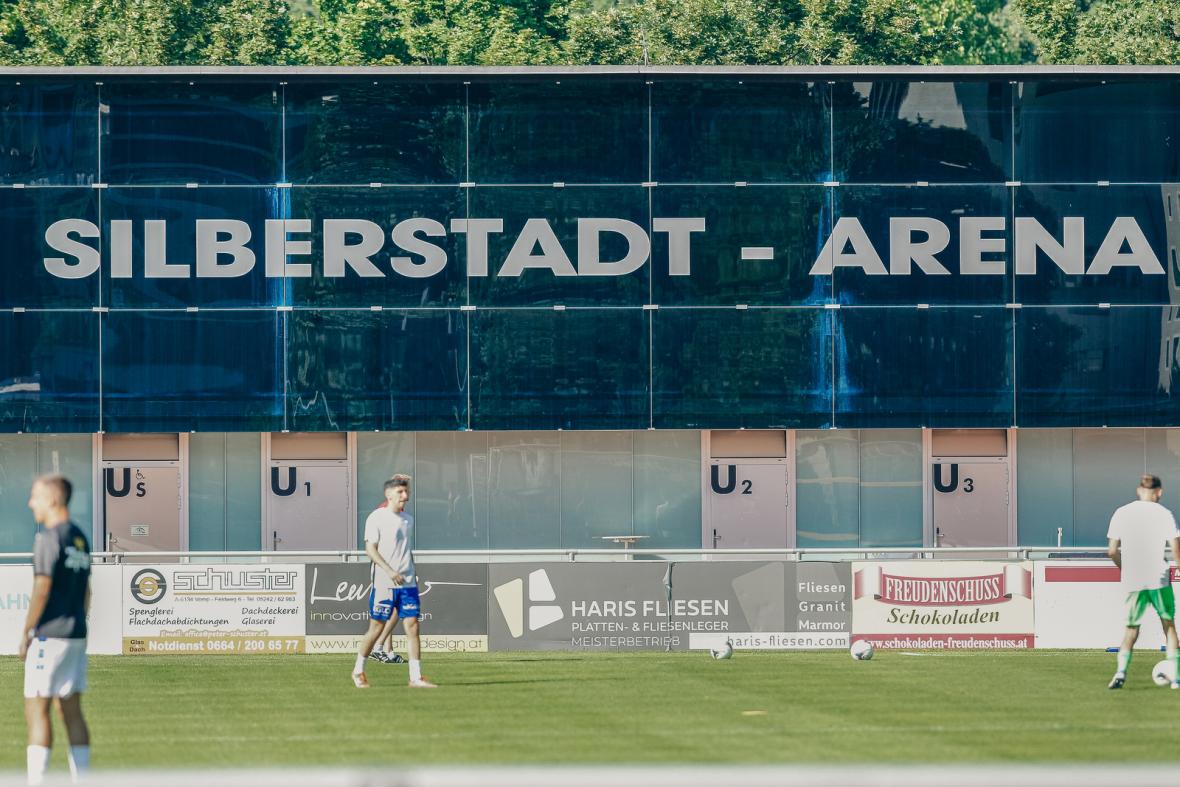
213	609
643	605
946	604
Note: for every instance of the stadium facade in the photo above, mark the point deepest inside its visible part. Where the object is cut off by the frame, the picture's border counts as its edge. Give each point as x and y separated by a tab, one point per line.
701	307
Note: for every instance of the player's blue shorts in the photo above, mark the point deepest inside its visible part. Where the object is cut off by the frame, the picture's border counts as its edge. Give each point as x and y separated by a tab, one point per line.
404	600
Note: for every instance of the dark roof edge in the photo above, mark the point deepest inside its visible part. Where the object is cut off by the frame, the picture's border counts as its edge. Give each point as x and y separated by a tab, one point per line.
1037	71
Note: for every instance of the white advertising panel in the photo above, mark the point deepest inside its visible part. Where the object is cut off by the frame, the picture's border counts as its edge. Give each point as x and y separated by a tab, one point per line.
219	609
1080	605
103	622
943	604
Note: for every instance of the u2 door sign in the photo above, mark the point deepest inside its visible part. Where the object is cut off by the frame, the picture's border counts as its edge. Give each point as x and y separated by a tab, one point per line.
947	486
731	483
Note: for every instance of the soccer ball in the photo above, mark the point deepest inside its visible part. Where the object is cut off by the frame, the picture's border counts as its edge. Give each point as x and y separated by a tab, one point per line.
861	650
723	652
1163	673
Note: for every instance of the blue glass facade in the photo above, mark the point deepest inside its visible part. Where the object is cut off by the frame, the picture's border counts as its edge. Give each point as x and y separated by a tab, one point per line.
416	252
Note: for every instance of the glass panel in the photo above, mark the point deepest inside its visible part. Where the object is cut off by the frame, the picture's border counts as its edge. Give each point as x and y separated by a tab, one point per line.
568	131
362	370
49	376
668	489
575	369
379	457
792	222
185	284
890	488
900	132
1084	366
827	489
939	249
902	366
174	371
383	133
1044	487
1079	132
525	481
70	455
725	131
18	458
451	489
172	133
48	132
243	508
1097	491
537	259
597	483
416	280
730	368
1129	225
25	217
206	491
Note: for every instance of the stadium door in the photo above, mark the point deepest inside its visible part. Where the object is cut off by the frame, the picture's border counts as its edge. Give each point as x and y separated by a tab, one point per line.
970	481
307	495
143	499
746	490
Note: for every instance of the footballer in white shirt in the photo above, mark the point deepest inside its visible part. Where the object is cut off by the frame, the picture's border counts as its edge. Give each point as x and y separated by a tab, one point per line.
394	594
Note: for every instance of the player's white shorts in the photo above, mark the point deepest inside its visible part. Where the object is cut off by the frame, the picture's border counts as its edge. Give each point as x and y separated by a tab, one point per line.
55	667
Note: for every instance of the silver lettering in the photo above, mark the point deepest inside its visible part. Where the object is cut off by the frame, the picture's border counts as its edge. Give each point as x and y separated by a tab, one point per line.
679	242
338	252
434	258
1069	255
537	232
972	245
57	237
1109	254
903	250
589	251
211	245
477	231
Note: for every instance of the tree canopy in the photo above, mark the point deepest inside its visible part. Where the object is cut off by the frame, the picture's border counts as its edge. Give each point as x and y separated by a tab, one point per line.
579	32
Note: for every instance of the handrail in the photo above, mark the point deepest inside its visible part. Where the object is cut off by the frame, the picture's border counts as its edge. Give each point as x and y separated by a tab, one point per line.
433	555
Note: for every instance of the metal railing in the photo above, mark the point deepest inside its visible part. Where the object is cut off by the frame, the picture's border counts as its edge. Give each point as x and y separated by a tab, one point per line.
600	555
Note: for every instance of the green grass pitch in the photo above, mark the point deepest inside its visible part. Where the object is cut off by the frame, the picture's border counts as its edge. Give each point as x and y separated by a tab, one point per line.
531	708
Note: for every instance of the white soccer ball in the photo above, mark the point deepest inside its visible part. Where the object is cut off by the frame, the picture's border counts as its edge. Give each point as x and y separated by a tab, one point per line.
723	652
1163	673
861	650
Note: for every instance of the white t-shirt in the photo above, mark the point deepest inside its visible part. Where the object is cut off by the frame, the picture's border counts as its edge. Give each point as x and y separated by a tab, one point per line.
1143	530
391	533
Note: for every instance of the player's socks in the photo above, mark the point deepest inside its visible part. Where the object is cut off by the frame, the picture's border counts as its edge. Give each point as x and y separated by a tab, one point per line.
1124	662
79	762
360	665
1174	657
38	760
415	669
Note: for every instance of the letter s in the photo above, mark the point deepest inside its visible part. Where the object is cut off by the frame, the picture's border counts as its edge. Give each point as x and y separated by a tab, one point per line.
57	237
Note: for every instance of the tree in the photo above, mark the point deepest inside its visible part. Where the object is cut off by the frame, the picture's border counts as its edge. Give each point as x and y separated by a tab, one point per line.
1104	31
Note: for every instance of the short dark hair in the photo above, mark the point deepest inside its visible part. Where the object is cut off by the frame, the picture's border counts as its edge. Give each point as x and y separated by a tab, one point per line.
59	486
1149	481
401	479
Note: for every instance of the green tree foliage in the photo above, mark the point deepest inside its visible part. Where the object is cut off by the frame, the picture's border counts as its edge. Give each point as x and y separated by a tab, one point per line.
1145	32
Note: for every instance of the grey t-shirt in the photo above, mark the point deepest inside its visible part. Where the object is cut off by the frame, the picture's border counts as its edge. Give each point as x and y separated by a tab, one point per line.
63	554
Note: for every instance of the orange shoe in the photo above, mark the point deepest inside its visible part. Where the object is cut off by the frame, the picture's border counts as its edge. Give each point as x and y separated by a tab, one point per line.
422	683
359	680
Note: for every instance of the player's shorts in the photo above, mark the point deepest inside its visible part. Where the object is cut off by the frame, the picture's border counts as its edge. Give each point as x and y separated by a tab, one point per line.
1162	600
402	599
55	667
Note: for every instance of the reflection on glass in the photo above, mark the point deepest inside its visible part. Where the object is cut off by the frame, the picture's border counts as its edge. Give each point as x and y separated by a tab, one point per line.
1044	487
176	133
730	368
596	488
48	134
378	456
729	130
890	488
565	131
1124	131
923	367
668	488
451	491
178	371
1107	464
827	469
225	491
889	131
931	240
544	369
360	133
524	471
49	377
359	370
1086	366
25	215
740	224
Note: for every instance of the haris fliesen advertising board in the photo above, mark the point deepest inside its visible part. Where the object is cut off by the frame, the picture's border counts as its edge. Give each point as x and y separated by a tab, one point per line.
645	605
453	604
213	609
943	604
1080	604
